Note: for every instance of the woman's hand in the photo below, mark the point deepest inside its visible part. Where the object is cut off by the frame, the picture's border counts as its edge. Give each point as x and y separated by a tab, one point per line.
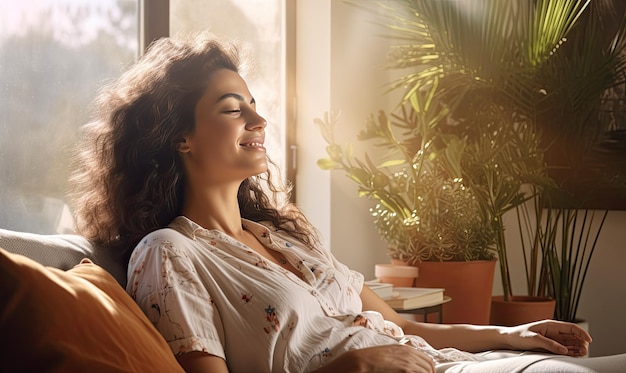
387	359
554	336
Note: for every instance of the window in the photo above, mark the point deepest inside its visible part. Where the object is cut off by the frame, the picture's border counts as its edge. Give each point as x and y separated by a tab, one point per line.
54	55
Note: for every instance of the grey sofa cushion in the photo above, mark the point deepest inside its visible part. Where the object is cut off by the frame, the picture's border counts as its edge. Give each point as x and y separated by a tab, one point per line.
63	251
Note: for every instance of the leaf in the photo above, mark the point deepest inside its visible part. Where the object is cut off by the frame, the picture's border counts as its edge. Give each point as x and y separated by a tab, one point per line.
335	153
431	94
413	98
360	176
453	153
393	162
326	164
349	151
380	181
370	164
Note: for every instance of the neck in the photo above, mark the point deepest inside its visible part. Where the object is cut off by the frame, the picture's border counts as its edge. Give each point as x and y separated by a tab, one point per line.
214	208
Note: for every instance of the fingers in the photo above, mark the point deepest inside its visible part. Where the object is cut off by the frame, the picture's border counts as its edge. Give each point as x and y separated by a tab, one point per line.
576	345
572	337
426	364
577	350
423	362
566	328
393	358
563	339
551	345
577	330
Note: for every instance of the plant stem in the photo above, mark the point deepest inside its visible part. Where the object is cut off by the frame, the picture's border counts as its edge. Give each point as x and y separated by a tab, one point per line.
502	256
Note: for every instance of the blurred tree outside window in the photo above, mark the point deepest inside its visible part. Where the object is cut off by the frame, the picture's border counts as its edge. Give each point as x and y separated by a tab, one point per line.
54	55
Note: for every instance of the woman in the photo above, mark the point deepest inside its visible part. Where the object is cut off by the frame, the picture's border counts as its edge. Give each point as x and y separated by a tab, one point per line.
234	279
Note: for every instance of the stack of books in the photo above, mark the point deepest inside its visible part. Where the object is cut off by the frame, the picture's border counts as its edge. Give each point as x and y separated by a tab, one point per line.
411	298
382	289
406	298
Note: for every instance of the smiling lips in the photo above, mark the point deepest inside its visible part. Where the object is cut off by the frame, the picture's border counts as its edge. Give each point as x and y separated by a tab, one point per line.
253	143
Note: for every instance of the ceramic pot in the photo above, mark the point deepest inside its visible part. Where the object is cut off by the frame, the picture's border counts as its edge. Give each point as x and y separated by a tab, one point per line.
397	275
520	310
468	284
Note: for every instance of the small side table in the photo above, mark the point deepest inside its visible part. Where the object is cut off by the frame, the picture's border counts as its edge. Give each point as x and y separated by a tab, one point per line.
436	307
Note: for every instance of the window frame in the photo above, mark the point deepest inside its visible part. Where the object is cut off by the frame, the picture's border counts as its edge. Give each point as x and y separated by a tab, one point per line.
291	146
154	22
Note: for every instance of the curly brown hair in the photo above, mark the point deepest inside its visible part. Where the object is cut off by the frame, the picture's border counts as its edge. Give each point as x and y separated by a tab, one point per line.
127	175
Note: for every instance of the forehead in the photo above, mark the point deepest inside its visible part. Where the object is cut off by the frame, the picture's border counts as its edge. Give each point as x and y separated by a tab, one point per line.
225	81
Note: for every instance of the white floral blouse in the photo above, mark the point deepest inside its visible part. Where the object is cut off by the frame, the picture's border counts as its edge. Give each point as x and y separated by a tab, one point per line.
205	291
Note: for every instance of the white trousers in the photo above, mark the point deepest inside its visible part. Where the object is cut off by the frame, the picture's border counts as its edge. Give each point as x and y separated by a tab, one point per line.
534	362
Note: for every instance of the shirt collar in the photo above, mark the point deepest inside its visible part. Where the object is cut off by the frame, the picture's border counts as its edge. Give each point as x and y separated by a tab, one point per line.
190	228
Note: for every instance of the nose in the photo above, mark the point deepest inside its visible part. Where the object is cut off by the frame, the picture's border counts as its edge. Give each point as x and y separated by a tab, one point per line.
256	122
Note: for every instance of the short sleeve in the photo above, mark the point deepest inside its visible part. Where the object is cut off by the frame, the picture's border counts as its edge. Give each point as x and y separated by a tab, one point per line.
164	282
355	278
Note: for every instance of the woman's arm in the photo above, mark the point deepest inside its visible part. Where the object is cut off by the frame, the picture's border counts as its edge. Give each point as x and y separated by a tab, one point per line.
463	337
201	362
553	336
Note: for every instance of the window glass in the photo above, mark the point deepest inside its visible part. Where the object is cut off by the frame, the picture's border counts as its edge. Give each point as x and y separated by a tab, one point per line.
54	55
258	26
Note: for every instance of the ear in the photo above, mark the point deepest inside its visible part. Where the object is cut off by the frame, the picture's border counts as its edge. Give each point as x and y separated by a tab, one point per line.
183	146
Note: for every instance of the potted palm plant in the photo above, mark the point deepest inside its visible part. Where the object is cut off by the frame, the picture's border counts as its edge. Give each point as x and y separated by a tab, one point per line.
551	70
562	240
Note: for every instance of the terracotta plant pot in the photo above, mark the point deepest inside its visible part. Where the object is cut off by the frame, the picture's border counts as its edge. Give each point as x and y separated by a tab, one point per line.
397	275
469	284
520	310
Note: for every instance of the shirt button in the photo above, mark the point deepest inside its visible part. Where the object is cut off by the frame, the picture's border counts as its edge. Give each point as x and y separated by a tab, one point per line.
314	292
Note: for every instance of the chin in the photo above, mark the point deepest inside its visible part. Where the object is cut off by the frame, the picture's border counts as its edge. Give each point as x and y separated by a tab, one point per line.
260	170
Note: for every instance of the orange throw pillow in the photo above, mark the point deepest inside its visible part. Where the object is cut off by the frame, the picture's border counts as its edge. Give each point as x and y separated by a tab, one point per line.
80	320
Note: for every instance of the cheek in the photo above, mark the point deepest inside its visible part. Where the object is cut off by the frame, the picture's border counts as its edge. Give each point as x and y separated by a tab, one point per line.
216	148
213	136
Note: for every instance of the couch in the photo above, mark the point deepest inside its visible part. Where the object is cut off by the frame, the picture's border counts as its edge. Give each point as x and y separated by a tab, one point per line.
63	308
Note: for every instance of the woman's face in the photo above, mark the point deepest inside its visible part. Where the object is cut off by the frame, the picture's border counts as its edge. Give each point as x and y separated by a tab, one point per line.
226	144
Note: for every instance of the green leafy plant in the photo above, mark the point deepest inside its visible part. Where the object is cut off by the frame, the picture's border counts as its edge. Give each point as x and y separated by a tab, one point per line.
424	209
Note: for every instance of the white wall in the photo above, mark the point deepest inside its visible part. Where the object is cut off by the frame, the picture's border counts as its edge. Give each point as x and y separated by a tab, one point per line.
337	69
313	92
339	62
